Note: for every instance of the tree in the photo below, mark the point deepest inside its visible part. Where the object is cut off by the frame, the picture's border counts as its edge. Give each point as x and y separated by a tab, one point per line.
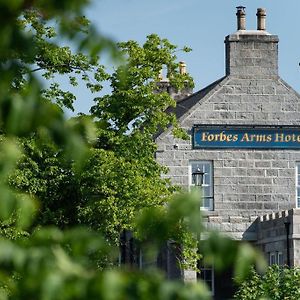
120	175
51	263
127	120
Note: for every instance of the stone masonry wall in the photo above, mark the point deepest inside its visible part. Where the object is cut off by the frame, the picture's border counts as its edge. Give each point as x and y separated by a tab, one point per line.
272	234
252	55
247	182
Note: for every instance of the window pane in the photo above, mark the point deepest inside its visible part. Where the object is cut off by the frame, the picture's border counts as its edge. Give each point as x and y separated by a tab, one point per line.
272	259
197	165
208	203
207	275
206	167
207	178
207	184
206	191
207	175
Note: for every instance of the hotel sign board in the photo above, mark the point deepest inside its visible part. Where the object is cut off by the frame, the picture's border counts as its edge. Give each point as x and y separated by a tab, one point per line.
246	137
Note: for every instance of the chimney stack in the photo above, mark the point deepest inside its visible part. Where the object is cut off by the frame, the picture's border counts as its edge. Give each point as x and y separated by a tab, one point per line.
241	18
261	19
182	67
251	53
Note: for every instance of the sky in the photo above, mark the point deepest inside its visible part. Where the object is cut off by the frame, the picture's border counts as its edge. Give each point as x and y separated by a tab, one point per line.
201	25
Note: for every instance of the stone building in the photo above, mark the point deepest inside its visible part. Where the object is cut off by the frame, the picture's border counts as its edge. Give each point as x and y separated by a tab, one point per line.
245	138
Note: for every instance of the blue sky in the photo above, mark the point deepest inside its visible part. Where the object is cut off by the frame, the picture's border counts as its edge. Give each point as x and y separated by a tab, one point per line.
201	25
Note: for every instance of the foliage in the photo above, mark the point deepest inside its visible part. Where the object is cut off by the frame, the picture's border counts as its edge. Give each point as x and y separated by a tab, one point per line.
43	171
79	161
63	263
33	46
120	175
115	189
134	102
277	283
51	59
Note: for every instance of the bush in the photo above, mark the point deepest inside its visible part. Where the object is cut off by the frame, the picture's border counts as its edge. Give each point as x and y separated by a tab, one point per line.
277	283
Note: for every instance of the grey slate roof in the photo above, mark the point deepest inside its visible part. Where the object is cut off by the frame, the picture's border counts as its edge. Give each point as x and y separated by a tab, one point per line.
187	103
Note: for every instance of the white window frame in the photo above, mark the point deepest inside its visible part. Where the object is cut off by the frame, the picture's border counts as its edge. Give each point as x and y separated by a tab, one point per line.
276	258
297	185
210	207
280	258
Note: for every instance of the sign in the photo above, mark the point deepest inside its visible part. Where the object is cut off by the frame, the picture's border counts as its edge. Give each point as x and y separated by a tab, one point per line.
249	137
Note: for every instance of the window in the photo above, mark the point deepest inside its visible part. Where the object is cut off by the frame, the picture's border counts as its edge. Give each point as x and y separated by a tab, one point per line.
207	275
279	258
276	258
272	258
207	182
298	184
129	251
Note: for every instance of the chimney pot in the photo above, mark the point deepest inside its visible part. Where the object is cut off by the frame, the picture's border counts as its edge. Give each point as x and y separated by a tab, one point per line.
261	19
182	67
241	18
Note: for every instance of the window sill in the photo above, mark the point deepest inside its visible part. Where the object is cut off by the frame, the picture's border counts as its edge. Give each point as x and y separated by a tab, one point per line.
209	213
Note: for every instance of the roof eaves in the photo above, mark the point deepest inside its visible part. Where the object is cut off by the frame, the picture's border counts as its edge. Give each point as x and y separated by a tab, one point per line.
184	105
